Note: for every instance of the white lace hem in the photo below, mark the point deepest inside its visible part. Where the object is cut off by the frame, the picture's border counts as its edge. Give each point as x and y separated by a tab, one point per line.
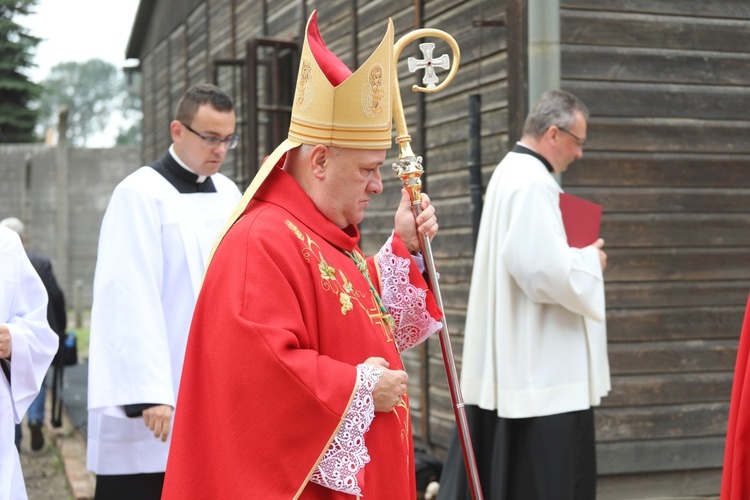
347	454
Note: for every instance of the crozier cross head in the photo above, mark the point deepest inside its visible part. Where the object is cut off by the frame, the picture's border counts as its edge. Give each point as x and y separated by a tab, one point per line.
429	64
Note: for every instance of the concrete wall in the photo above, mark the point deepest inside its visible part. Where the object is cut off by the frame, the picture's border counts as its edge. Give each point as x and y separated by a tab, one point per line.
28	190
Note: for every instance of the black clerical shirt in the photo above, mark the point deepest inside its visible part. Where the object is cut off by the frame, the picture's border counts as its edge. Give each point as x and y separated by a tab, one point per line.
182	179
519	148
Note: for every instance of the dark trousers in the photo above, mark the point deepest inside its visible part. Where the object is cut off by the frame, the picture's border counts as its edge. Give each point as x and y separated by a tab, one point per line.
129	486
540	458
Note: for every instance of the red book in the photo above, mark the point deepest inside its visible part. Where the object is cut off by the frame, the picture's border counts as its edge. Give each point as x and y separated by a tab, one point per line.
581	219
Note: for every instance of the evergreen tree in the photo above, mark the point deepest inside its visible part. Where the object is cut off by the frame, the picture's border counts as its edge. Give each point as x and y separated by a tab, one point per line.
17	118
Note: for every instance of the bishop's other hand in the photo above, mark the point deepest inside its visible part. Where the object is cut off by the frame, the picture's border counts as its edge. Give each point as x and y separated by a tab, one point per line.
391	386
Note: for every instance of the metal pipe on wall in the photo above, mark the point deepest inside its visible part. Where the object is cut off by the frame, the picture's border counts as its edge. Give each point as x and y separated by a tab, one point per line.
424	350
475	163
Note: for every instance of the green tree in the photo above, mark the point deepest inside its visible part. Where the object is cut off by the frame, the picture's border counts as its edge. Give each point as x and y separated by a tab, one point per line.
17	118
91	90
129	135
131	110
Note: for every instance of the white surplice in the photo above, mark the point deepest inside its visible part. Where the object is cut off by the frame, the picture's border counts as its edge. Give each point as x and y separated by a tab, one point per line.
535	341
23	308
153	247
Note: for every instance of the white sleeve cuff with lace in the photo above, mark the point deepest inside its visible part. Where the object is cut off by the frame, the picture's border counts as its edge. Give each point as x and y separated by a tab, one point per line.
347	455
405	302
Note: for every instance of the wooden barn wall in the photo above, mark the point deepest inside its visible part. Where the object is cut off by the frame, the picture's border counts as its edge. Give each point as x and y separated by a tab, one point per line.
446	151
219	29
668	156
668	87
179	54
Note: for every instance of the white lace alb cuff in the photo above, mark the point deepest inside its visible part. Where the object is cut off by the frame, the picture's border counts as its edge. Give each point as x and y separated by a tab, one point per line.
347	454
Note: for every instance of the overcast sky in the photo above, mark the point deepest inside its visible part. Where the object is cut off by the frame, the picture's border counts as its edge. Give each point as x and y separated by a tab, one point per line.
79	30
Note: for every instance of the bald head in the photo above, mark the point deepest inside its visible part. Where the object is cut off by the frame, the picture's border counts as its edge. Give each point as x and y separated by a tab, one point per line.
15	224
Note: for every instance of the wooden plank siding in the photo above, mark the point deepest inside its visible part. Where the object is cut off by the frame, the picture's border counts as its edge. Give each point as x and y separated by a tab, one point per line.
483	71
668	87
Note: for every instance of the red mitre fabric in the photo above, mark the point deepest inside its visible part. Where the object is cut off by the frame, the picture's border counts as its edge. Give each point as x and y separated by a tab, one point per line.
735	483
335	70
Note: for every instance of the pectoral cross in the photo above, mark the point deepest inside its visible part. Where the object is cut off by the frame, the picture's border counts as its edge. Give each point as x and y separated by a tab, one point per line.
429	64
377	317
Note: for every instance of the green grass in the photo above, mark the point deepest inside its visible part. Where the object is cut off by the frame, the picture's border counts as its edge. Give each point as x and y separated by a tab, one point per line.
82	332
82	339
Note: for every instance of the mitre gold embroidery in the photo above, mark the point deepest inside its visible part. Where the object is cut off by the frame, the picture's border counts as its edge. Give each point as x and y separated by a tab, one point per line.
304	93
373	93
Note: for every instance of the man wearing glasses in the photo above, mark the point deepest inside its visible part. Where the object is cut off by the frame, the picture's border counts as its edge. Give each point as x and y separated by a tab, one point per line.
535	346
156	236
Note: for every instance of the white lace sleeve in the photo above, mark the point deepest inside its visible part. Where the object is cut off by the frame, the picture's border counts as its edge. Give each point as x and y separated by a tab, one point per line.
405	302
347	454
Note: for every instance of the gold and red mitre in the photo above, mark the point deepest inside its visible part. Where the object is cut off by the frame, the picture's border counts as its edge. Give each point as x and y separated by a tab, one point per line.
335	107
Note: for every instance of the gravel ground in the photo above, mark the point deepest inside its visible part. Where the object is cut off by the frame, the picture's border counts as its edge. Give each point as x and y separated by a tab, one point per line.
43	470
58	471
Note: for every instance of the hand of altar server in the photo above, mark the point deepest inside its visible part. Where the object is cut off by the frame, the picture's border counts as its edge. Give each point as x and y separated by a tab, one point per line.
158	419
391	386
5	342
598	244
426	222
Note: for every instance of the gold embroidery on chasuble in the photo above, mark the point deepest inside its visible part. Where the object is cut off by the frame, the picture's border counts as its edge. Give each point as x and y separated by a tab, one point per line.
405	424
336	282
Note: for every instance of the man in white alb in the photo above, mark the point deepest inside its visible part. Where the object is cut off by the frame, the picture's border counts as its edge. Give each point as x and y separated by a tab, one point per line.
535	345
155	239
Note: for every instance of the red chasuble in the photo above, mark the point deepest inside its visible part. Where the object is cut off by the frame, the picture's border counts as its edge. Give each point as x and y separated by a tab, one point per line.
735	483
283	318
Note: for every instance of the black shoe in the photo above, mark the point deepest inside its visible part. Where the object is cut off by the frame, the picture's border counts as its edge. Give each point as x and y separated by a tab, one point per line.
37	438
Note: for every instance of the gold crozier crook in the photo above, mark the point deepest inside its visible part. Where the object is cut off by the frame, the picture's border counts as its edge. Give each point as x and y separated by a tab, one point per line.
409	169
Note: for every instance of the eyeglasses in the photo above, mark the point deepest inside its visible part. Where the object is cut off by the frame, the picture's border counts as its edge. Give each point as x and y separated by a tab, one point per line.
579	141
213	142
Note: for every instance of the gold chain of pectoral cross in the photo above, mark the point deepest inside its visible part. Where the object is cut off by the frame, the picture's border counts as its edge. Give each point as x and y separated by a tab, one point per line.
361	264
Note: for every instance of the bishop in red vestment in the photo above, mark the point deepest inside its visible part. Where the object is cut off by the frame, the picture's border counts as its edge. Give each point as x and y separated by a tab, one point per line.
293	384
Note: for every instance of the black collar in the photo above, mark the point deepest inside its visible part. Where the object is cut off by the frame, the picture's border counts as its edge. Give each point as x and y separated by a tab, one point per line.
182	179
518	148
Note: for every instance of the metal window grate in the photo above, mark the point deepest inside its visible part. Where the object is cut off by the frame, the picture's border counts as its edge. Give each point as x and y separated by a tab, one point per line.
262	87
272	69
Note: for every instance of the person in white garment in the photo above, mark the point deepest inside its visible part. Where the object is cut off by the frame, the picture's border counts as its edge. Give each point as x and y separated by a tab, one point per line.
27	346
535	346
155	239
57	319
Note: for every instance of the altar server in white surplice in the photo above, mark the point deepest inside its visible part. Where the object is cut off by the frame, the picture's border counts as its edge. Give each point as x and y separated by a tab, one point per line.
155	239
27	346
535	346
